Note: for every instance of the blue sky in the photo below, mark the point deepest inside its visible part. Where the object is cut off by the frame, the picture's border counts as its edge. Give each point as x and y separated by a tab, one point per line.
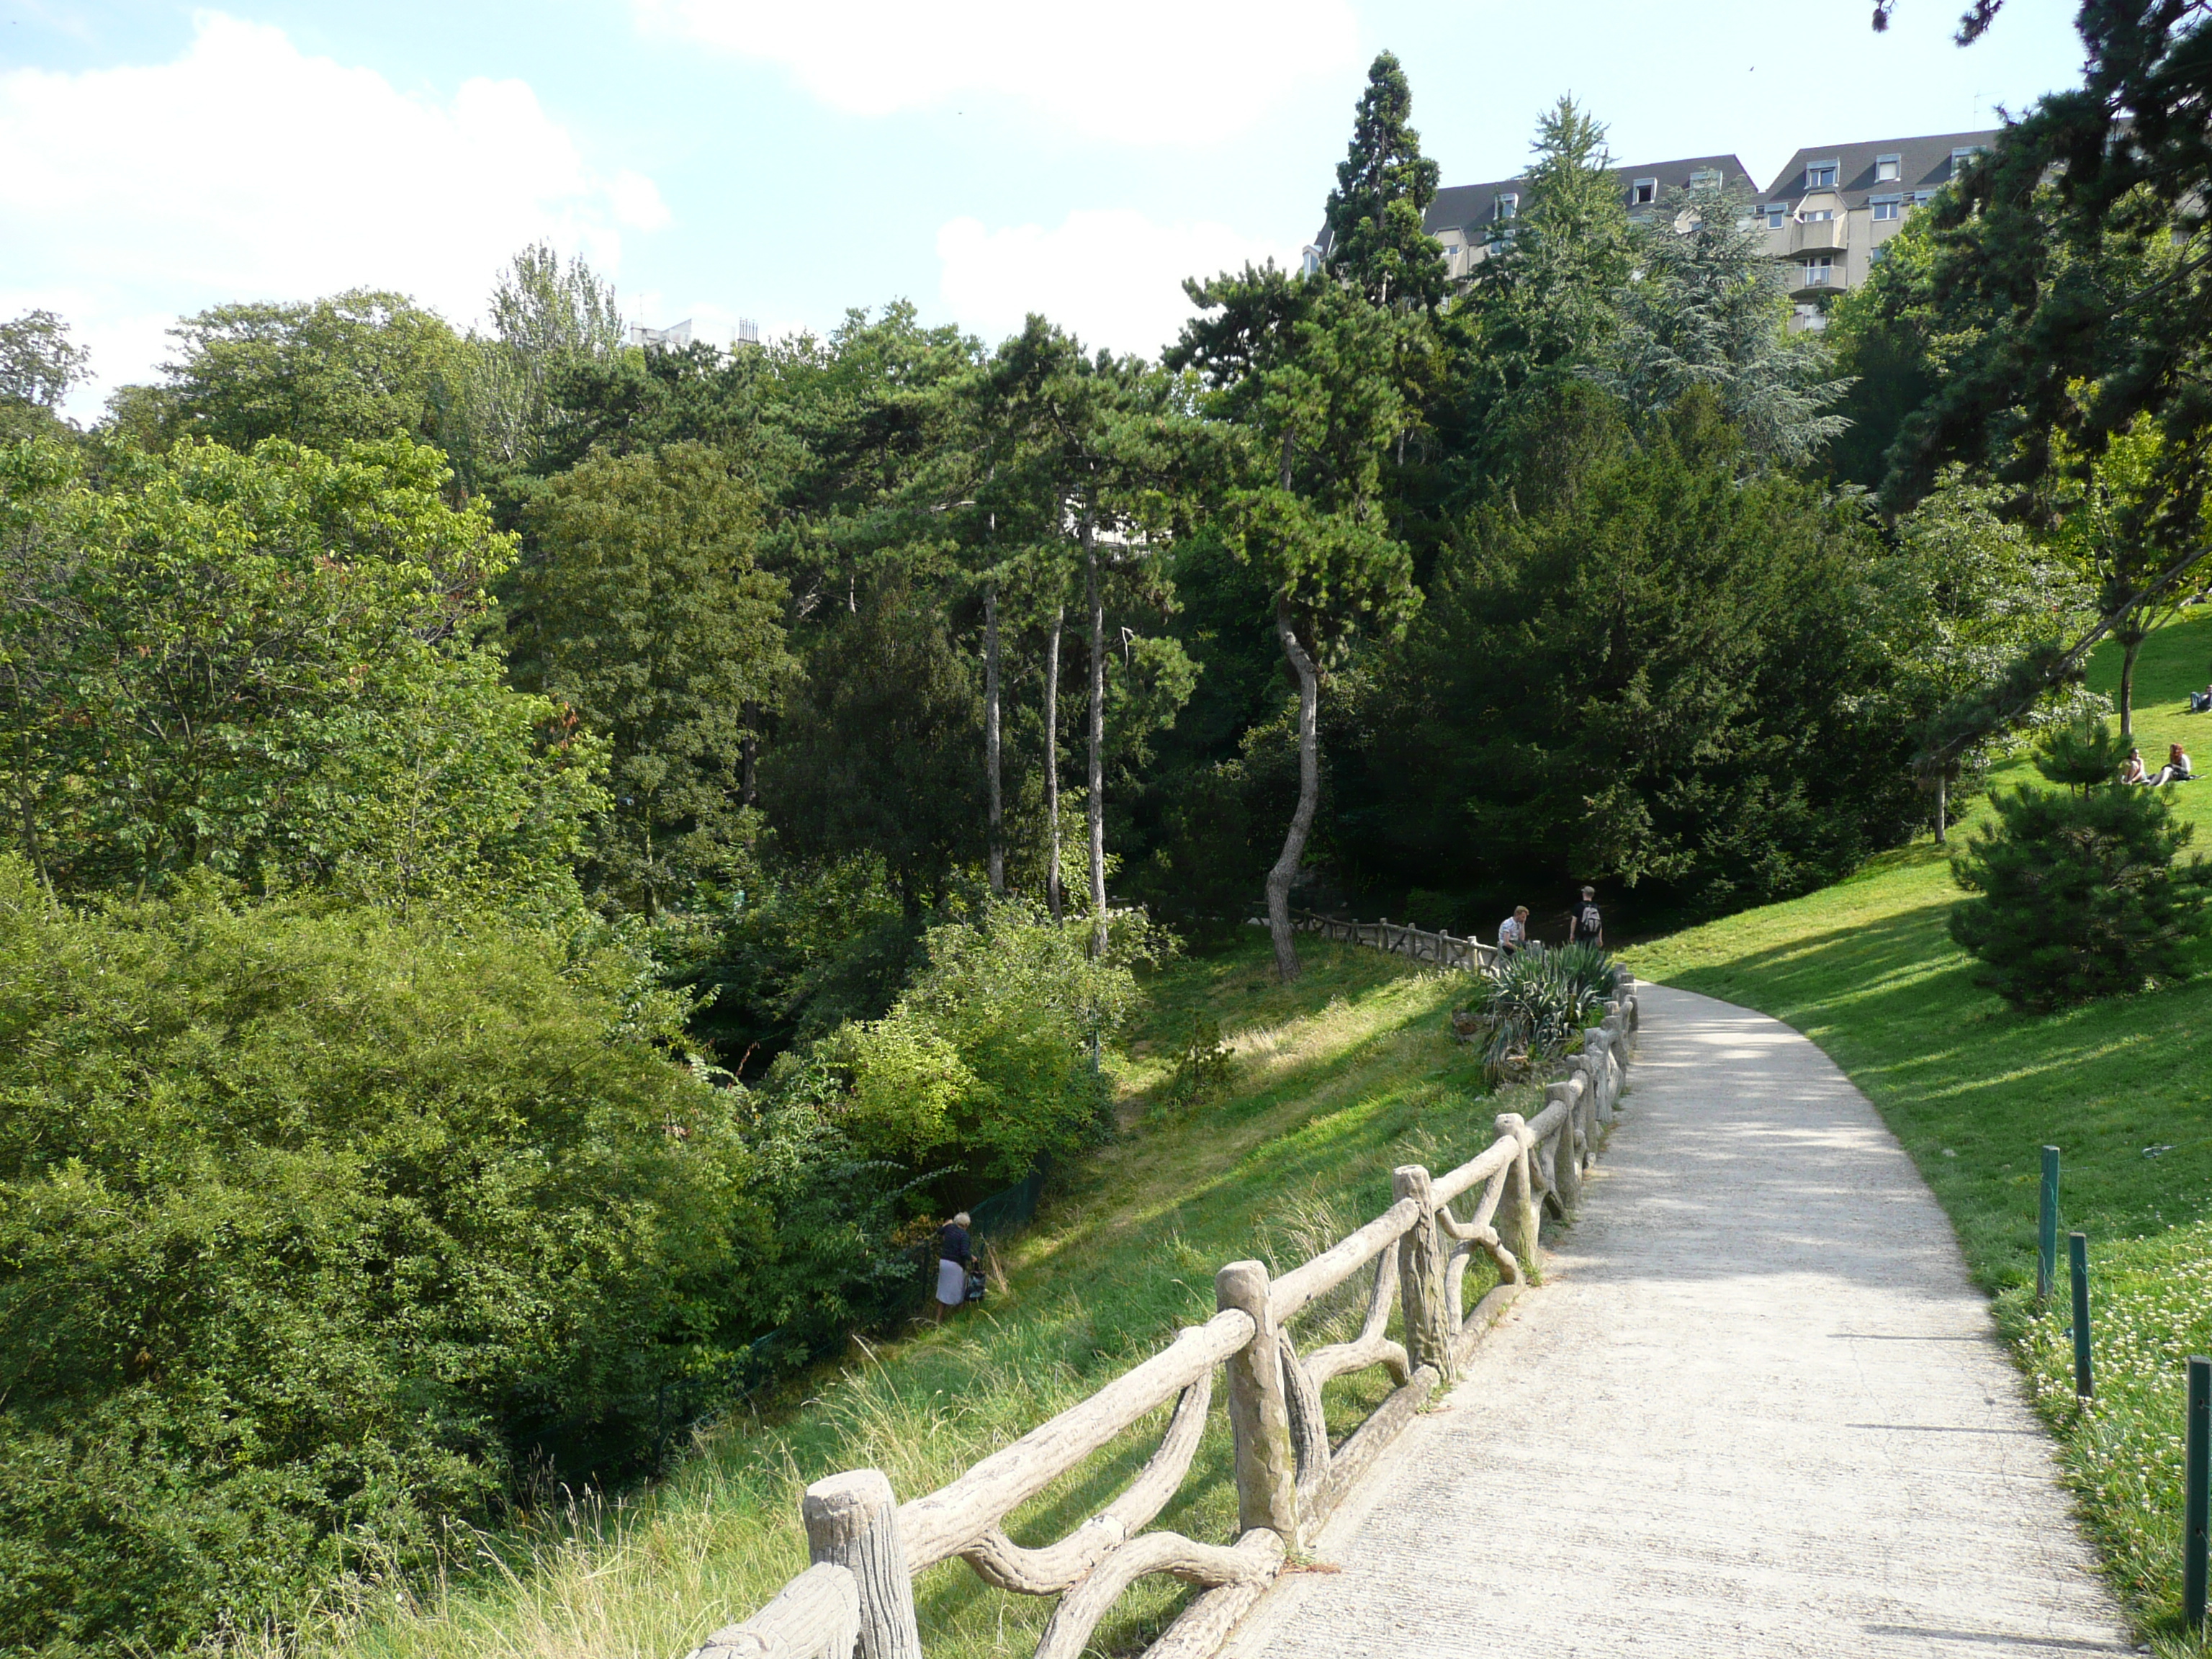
727	158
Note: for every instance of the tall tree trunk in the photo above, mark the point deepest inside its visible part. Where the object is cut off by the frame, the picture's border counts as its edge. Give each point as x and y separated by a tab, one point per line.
1942	805
1286	873
749	758
1053	899
2131	640
1097	802
991	736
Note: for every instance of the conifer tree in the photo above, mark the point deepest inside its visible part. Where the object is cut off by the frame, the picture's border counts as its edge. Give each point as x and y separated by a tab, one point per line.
1383	186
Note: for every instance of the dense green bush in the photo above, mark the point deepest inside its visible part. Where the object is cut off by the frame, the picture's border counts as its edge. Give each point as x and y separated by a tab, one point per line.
2079	895
317	1227
1534	1005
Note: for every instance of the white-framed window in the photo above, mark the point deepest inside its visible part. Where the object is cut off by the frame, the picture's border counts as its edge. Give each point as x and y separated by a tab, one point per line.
1887	207
1921	198
1644	192
1820	175
1819	271
1507	204
1887	168
1309	260
1777	215
1960	158
1817	215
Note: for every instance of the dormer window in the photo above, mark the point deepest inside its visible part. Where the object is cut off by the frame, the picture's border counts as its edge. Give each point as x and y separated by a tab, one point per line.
1704	178
1309	260
1508	205
1820	175
1644	192
1777	215
1886	168
1961	157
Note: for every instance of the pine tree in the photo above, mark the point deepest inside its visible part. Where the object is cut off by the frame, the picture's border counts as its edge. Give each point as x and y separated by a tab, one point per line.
1383	186
2080	896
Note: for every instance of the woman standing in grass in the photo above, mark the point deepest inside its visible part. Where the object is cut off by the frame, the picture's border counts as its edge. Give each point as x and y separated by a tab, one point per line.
952	1257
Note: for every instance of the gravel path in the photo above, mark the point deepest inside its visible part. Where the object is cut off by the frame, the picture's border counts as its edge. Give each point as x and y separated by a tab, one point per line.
1756	1409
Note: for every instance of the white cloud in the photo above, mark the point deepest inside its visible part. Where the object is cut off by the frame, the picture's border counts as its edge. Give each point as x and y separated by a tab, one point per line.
1111	277
1142	71
246	169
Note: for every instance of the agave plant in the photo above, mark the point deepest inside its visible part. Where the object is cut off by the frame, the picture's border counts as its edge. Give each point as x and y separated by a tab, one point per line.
1531	1007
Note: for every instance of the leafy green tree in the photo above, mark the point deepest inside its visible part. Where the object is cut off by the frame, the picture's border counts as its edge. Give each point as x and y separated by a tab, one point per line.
1707	307
355	367
1383	186
346	1228
39	364
546	321
261	663
1299	380
2079	893
643	611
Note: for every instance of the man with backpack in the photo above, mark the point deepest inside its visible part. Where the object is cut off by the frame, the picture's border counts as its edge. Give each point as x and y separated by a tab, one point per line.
1588	926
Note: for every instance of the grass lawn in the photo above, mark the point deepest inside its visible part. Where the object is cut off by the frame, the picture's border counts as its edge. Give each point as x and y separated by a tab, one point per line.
1866	970
1338	1079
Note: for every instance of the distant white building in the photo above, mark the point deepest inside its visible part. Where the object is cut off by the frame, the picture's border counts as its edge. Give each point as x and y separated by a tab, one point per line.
676	336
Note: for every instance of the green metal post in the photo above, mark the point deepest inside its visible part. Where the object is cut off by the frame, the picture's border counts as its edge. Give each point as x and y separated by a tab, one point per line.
2197	1490
2077	1260
2046	1228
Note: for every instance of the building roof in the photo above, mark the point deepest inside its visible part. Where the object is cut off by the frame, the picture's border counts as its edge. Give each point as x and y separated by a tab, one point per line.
1923	164
1467	208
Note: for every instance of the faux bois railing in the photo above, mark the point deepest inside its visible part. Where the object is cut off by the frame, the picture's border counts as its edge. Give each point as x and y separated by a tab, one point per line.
858	1595
1406	941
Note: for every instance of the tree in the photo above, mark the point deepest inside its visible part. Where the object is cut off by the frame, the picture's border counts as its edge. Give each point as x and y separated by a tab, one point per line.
546	321
1299	378
644	612
39	364
1383	186
357	367
253	663
1707	307
2079	896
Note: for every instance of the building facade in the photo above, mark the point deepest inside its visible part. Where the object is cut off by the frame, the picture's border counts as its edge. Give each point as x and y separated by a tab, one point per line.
1825	217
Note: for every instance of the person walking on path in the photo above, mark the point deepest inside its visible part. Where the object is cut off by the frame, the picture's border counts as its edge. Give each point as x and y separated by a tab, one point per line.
952	1258
1513	932
1588	926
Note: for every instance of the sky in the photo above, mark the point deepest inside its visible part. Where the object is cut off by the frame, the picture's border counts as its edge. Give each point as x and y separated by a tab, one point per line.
787	161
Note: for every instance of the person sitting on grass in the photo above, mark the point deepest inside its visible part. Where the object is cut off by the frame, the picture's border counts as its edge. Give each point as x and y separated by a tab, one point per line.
2175	769
2200	702
2132	768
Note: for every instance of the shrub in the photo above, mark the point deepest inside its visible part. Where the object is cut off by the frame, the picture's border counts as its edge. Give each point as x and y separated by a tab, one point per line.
1534	1005
2079	896
316	1227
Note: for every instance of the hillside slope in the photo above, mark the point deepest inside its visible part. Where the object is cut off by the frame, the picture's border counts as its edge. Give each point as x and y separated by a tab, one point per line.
1337	1079
1867	970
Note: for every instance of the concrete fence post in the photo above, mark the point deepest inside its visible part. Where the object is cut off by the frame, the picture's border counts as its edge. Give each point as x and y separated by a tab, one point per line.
1519	1211
1267	1467
1429	1321
1567	1162
851	1521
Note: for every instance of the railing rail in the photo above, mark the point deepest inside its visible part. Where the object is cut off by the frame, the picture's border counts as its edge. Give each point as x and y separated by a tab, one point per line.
858	1595
1398	938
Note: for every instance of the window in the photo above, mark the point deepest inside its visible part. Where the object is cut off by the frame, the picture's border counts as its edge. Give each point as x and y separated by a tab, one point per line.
1818	216
1887	207
1961	157
1886	168
1704	178
1644	192
1820	175
1777	213
1819	271
1310	260
1508	205
1920	198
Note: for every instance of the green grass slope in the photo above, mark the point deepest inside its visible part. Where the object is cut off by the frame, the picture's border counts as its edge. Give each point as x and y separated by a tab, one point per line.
1867	970
1338	1079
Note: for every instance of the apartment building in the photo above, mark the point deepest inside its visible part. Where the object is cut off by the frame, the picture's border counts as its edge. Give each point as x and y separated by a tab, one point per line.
1829	211
1826	216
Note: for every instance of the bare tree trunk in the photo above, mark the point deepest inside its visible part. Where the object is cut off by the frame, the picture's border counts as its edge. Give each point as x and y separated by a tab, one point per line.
991	736
1286	872
1097	802
749	758
2131	641
1942	805
1052	898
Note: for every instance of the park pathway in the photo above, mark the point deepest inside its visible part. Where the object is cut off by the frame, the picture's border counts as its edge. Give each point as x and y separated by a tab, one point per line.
1755	1409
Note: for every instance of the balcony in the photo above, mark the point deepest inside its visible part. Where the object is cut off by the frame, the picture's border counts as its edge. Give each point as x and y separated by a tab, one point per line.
1820	235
